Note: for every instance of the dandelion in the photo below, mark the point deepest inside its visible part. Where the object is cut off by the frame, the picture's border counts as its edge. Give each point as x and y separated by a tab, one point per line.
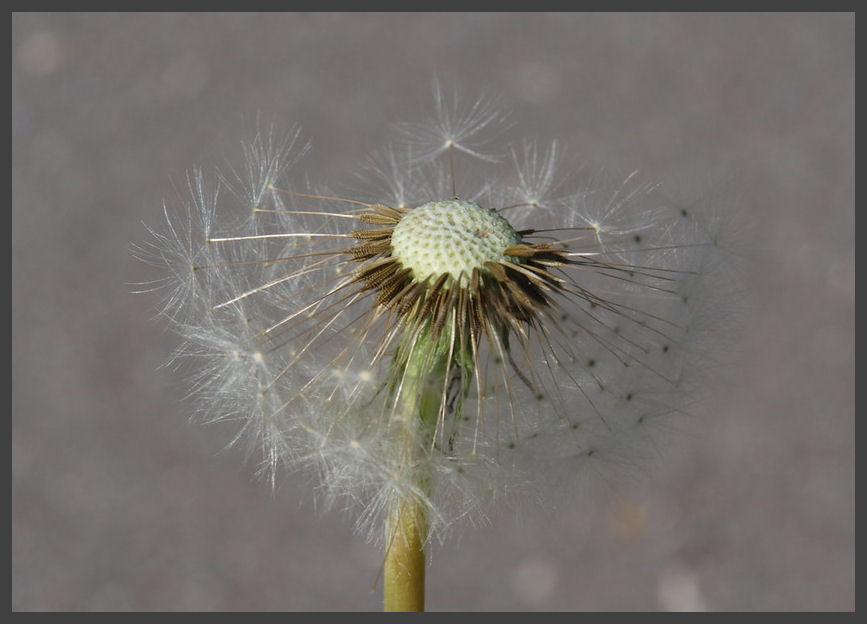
474	326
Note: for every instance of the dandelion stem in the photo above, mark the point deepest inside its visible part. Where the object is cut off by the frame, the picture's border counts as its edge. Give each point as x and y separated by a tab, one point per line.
403	576
419	373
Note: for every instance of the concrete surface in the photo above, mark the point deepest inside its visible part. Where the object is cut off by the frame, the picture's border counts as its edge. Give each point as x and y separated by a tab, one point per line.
118	503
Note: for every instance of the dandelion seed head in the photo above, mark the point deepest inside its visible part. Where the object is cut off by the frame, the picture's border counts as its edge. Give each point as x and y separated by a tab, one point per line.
527	324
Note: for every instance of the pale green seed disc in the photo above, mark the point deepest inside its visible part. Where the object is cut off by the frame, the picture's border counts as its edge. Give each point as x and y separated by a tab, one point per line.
451	237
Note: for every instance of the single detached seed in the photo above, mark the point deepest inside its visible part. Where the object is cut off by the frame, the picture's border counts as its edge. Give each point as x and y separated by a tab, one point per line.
451	237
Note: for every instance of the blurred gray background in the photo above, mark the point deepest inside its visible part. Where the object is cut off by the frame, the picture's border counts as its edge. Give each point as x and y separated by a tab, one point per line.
118	503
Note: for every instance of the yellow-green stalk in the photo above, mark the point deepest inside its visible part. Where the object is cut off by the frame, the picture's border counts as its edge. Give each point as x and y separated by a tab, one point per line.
419	378
404	570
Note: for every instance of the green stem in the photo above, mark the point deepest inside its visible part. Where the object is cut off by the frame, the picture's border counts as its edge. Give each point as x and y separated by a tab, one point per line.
403	575
420	367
